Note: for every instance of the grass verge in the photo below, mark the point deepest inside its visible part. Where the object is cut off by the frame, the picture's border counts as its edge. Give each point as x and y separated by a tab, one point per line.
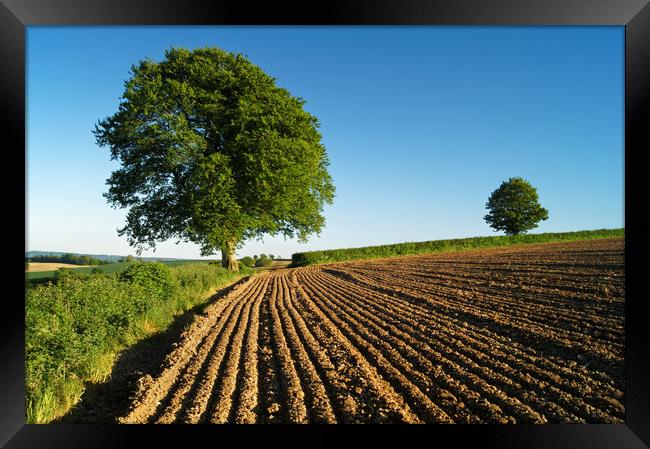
400	249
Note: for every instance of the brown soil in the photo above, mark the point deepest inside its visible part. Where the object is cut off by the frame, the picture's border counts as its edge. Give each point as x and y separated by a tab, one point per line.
526	334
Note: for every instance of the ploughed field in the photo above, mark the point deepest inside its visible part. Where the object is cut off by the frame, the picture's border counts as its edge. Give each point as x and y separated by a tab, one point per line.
525	334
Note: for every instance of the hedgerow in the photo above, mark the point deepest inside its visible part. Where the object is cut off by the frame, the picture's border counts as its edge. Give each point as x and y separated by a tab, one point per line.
399	249
75	327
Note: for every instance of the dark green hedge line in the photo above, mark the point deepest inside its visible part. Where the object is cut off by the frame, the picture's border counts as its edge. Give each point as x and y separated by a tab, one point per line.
74	328
68	258
399	249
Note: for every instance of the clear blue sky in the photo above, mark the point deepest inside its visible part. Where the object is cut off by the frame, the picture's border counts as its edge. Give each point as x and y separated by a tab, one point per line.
421	124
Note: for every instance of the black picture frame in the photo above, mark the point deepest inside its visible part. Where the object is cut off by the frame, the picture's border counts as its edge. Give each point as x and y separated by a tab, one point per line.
634	15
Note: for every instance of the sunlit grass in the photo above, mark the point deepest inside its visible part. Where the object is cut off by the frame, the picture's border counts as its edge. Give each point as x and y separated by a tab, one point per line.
76	329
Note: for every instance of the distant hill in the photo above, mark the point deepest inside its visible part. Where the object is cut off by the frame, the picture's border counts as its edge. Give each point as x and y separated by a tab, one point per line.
107	257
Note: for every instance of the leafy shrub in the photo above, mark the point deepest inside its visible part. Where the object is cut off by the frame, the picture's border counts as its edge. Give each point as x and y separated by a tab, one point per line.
63	273
72	326
155	278
263	262
247	261
69	325
198	277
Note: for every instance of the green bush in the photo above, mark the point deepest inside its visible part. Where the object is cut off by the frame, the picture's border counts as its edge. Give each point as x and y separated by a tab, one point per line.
398	249
247	261
70	325
74	326
155	278
63	273
195	279
263	262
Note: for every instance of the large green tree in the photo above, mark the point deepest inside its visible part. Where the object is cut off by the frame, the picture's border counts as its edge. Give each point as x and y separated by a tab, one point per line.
212	151
514	207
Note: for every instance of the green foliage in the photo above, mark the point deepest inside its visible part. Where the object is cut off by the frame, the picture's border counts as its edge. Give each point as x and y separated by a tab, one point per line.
195	279
214	152
247	261
69	326
514	207
63	273
156	278
69	258
255	257
263	262
73	328
399	249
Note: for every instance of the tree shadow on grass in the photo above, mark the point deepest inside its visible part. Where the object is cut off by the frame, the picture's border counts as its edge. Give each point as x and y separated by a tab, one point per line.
104	402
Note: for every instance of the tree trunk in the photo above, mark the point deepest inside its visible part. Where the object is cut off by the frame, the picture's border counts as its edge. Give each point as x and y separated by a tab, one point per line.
228	259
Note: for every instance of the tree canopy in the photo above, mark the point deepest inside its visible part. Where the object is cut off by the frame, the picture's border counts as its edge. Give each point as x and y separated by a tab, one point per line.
514	207
212	151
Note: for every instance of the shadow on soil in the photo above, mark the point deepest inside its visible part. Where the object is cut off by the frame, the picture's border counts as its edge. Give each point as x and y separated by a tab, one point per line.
102	403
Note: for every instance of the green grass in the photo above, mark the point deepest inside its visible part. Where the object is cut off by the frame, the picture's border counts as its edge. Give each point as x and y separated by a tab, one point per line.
400	249
75	328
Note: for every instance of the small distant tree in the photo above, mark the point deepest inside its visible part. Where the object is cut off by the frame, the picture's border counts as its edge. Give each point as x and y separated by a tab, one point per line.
271	256
255	257
263	256
263	262
514	207
247	261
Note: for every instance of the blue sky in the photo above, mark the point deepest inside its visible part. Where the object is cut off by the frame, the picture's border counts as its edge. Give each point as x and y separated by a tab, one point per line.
420	123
